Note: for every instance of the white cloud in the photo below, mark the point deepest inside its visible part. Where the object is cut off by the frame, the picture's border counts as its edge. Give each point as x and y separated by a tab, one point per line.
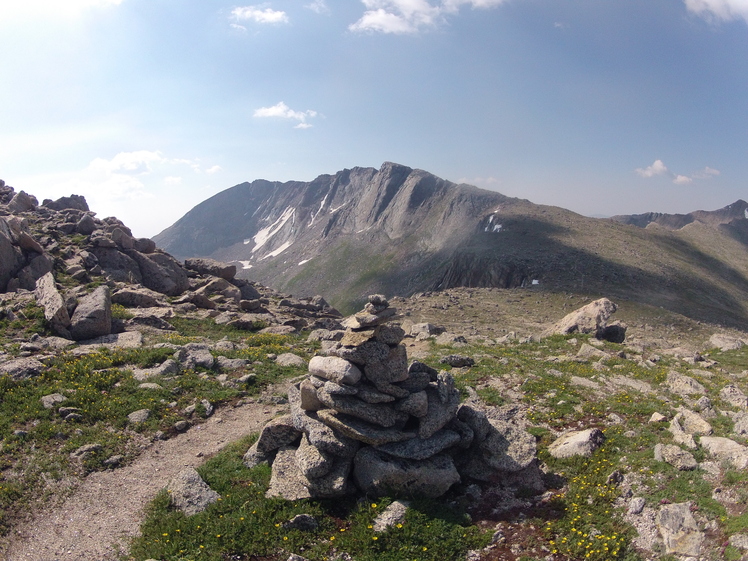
411	16
724	10
213	169
259	14
318	6
172	180
283	111
657	168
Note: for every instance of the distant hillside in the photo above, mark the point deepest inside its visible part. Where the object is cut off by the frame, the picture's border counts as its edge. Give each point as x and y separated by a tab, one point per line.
736	212
398	231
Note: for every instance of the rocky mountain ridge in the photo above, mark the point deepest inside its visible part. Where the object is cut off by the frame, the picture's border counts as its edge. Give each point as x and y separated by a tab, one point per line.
400	231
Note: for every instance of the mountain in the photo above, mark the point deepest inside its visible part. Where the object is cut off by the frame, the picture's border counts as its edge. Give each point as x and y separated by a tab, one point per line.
399	231
736	212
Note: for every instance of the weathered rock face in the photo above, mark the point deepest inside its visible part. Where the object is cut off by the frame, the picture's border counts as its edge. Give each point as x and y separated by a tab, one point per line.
55	310
93	316
11	257
364	420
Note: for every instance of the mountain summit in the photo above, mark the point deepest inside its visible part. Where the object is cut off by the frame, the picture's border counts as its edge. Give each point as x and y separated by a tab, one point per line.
398	230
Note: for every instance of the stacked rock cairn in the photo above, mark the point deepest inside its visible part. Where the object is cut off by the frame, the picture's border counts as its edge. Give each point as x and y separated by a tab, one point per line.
364	421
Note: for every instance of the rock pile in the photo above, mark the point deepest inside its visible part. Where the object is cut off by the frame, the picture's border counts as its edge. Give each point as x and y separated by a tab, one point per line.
40	245
364	420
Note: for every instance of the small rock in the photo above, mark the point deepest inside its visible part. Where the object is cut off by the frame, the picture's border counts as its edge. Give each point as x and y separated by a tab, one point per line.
457	361
684	385
301	522
113	461
657	418
139	416
679	530
393	514
577	443
190	494
675	456
86	450
636	505
290	359
49	401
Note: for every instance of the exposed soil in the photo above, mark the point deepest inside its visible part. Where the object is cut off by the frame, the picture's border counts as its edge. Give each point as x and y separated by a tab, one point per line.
106	509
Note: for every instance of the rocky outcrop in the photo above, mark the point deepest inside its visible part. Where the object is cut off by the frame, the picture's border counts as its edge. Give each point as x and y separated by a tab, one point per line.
364	421
43	248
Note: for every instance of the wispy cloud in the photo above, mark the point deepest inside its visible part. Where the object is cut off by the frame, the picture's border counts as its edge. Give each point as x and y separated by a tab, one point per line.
258	14
659	168
318	6
283	111
213	169
706	173
411	16
724	10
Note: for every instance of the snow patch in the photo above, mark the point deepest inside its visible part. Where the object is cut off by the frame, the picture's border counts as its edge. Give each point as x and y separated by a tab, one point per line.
746	212
278	251
321	208
247	241
336	209
245	264
535	281
265	234
491	227
304	261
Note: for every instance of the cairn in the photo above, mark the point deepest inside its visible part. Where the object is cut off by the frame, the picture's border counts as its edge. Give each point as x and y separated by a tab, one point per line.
365	421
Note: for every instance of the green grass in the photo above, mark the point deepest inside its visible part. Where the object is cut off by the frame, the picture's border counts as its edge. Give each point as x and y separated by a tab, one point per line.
244	522
101	387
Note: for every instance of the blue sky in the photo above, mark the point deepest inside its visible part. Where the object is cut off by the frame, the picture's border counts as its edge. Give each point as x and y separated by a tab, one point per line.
148	107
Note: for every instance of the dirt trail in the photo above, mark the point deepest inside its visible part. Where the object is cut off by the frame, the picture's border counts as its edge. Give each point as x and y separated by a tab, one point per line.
95	522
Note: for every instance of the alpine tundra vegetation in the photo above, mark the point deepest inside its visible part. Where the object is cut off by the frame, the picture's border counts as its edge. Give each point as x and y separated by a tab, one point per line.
152	408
